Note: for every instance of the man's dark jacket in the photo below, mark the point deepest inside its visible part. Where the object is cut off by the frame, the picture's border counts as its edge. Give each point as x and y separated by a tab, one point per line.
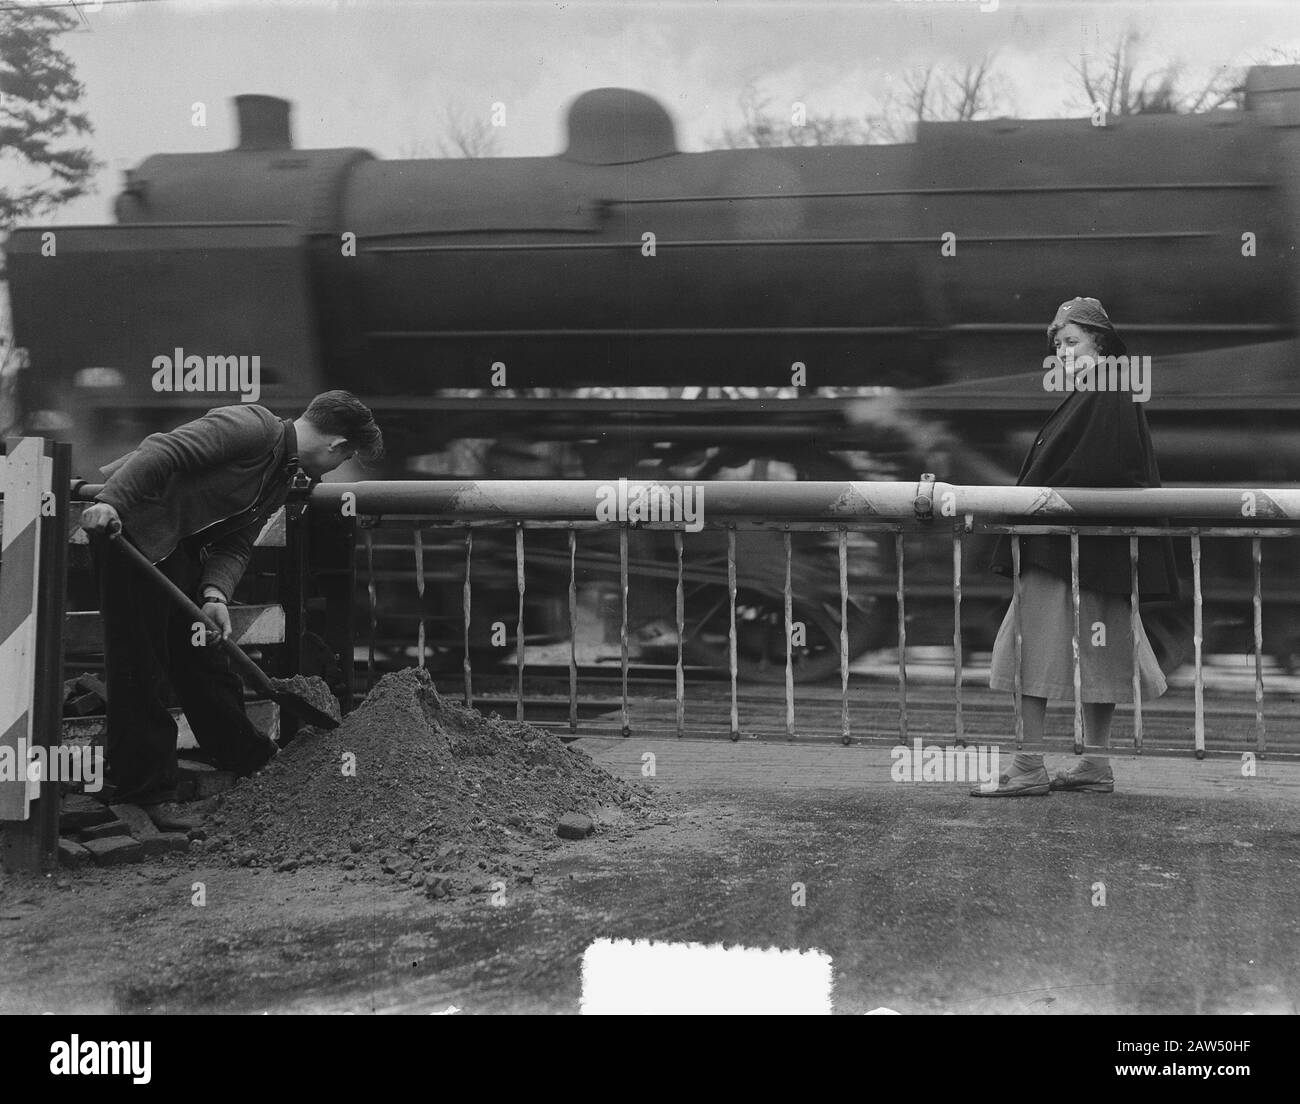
1095	439
220	476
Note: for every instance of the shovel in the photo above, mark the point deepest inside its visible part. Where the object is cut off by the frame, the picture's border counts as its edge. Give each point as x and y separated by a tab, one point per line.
256	677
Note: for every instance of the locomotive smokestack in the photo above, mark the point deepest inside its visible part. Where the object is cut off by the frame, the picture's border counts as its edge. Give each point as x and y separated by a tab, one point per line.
263	122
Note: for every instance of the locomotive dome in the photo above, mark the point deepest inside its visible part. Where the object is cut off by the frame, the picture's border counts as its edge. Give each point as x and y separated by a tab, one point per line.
616	126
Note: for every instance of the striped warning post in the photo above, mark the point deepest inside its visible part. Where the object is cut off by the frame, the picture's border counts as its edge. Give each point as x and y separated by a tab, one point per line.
24	476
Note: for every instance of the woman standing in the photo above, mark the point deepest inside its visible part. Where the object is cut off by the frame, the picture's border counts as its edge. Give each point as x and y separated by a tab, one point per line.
1093	439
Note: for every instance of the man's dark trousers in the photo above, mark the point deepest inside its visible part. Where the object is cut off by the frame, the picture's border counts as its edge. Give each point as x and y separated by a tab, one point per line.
148	642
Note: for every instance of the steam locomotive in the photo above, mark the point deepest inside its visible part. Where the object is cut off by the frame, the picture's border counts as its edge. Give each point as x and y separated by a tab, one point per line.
624	308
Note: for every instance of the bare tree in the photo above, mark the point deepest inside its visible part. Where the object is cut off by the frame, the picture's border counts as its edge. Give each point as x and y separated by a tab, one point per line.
971	93
465	135
1123	85
932	94
762	127
462	135
903	113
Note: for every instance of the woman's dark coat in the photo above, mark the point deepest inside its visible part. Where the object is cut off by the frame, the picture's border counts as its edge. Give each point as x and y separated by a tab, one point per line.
1094	439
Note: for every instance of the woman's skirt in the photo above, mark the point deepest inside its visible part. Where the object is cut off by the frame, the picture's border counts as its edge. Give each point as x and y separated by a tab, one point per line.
1047	664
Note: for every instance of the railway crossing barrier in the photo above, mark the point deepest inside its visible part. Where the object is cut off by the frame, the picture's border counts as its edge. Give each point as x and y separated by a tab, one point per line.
925	509
34	482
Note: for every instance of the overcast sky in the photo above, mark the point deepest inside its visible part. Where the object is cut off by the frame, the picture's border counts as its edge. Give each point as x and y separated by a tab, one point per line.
380	74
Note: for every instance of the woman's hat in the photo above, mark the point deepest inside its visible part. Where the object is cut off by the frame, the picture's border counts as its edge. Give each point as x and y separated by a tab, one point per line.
1084	311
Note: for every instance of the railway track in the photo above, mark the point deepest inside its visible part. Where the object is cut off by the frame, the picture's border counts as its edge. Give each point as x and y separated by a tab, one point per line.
873	706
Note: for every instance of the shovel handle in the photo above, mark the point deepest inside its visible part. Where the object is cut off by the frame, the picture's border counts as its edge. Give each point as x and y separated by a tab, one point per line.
247	667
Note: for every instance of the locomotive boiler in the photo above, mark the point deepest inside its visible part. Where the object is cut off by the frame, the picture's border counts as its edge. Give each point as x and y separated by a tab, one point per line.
624	307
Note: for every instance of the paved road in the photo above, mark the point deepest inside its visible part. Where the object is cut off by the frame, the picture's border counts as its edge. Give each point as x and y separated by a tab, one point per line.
1178	893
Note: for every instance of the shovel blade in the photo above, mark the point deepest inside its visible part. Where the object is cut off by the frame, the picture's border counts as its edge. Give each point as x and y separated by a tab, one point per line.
304	710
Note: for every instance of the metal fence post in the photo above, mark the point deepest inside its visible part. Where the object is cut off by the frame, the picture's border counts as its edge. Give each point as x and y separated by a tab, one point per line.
333	563
293	600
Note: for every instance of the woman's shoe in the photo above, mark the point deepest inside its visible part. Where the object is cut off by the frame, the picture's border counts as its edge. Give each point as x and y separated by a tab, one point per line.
1086	776
1026	778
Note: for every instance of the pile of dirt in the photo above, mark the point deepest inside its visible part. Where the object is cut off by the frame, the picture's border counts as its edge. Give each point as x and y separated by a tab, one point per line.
413	787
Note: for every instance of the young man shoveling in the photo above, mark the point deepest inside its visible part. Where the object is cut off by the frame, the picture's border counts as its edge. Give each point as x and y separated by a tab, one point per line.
193	500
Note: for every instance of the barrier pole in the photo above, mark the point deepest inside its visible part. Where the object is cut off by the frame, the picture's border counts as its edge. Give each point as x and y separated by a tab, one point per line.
570	499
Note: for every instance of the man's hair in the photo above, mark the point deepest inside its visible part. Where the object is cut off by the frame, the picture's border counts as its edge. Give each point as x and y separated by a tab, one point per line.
342	414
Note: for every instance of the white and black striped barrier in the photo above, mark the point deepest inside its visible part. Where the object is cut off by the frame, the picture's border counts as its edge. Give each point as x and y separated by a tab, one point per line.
33	568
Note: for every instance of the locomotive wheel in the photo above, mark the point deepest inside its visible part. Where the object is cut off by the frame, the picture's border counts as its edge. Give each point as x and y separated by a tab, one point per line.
760	636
